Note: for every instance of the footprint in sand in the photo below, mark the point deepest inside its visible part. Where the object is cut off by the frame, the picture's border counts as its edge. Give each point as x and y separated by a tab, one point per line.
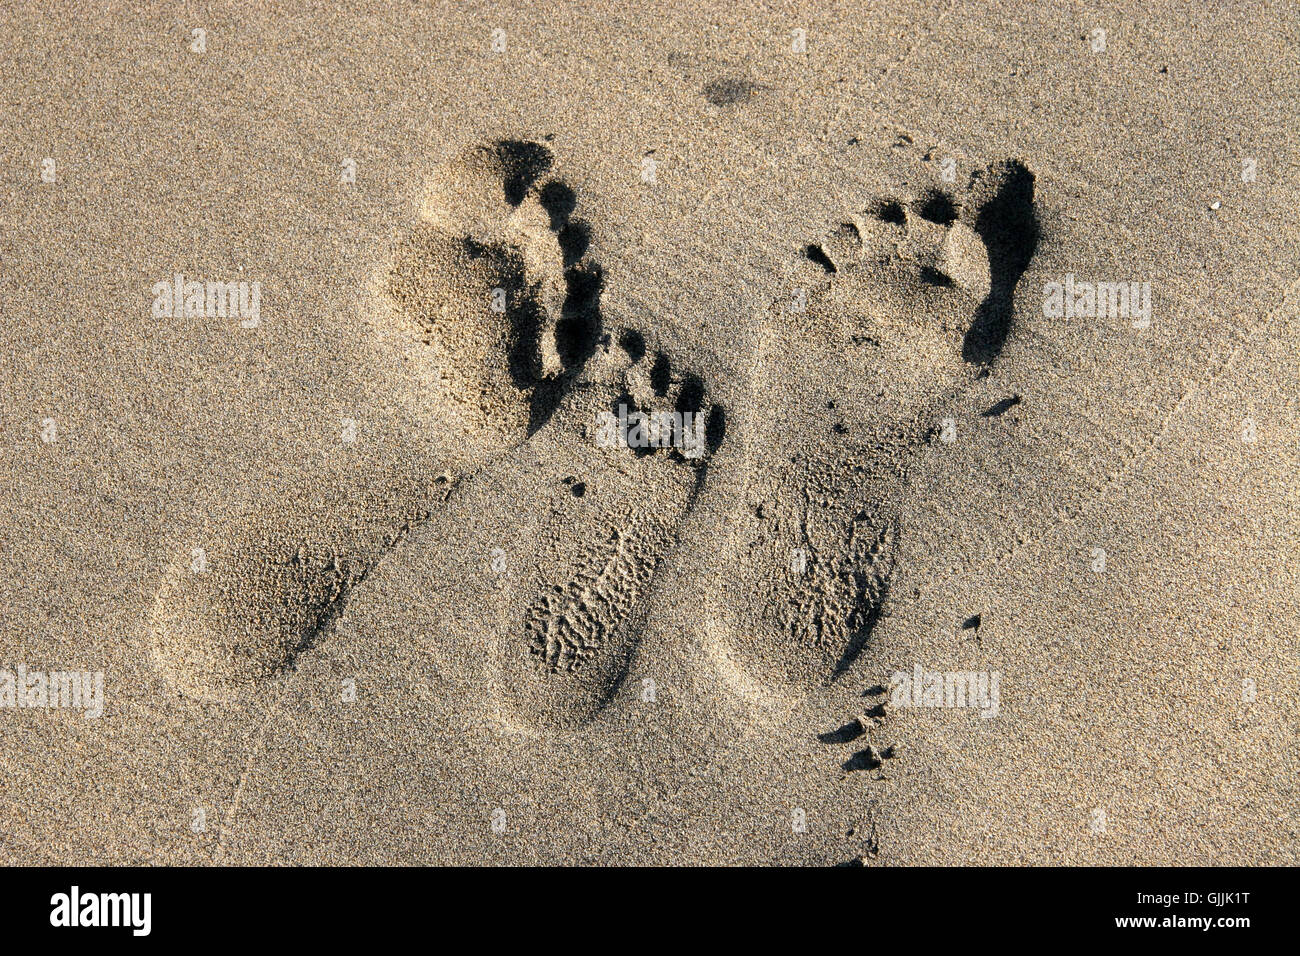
494	279
894	312
546	604
246	599
612	437
496	275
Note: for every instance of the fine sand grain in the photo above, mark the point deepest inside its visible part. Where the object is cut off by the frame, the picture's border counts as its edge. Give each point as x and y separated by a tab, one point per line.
707	433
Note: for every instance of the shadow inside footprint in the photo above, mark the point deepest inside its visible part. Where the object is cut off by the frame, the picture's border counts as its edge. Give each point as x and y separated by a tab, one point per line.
576	335
522	163
497	275
1009	227
870	618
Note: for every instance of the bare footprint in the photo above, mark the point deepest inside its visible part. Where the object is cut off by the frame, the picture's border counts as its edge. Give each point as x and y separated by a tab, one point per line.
559	594
495	276
243	602
893	314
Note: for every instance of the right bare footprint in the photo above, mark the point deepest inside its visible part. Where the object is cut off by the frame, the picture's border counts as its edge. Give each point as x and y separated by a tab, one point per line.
547	601
893	313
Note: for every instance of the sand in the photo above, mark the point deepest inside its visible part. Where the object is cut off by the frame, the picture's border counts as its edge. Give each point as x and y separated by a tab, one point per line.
891	558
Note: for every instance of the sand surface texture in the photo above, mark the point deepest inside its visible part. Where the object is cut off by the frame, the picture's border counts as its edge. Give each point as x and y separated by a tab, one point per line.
364	577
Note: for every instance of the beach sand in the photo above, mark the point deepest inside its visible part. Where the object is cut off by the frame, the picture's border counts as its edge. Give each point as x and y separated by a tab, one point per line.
368	581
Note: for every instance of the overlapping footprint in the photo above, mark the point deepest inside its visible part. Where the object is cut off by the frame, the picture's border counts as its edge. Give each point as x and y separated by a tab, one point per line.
497	276
549	605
